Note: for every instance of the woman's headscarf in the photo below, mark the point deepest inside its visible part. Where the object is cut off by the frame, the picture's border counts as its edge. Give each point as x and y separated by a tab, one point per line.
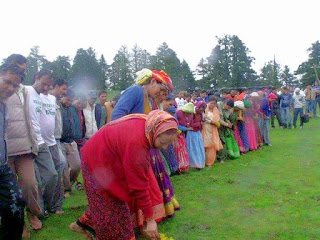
143	76
188	108
157	123
247	104
200	104
272	96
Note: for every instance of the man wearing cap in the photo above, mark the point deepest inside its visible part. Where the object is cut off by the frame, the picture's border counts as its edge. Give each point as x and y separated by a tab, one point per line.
89	114
299	100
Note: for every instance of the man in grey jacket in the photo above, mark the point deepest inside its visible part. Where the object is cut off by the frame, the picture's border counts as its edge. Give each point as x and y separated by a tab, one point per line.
22	146
11	202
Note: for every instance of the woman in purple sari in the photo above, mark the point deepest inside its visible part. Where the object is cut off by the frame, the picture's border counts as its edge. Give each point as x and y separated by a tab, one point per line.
159	169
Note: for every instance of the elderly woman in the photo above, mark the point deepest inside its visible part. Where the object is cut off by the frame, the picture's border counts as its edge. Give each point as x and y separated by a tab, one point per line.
151	88
116	171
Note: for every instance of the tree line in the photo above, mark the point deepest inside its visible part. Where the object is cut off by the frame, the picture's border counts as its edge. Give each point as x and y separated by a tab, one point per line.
228	65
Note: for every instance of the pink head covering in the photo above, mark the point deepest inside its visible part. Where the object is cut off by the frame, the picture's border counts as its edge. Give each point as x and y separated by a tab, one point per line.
200	104
272	96
260	93
157	123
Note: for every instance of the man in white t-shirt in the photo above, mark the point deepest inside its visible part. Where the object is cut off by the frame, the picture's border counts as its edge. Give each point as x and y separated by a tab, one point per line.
46	173
180	100
47	126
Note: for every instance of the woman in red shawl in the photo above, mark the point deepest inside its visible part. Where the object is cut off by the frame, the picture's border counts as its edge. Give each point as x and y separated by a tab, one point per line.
116	167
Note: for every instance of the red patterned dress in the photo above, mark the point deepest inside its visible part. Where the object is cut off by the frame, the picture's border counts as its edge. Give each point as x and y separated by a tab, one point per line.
116	171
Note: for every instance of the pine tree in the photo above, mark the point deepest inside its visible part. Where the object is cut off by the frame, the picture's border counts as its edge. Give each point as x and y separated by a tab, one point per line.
270	74
35	62
121	74
61	67
86	71
188	80
166	59
140	59
287	78
308	70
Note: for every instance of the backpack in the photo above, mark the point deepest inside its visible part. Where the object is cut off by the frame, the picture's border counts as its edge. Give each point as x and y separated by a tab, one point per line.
305	118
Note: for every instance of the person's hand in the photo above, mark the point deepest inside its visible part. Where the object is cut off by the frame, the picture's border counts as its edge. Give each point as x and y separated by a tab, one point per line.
150	230
190	128
229	125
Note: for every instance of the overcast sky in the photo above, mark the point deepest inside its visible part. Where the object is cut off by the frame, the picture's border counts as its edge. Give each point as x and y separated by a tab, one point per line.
272	27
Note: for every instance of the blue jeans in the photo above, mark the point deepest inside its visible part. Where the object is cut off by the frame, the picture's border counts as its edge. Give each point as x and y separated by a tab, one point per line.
285	116
297	111
311	106
265	124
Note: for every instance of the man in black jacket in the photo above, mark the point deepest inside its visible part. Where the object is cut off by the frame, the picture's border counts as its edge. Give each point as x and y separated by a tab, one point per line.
68	145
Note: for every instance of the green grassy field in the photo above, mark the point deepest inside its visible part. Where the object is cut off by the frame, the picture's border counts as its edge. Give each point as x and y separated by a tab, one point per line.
272	193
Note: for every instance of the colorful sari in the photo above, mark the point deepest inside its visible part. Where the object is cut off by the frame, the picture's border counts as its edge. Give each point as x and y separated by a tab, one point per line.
171	159
211	139
164	182
194	139
240	134
180	148
180	145
230	145
256	114
251	131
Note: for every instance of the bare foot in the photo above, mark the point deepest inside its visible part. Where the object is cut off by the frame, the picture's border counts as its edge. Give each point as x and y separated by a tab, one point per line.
67	195
76	228
59	212
34	221
26	232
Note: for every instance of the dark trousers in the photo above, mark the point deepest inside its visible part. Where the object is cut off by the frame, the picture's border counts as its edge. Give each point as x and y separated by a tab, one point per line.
297	111
11	206
275	113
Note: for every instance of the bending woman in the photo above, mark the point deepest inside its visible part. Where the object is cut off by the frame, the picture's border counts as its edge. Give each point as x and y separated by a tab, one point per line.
116	171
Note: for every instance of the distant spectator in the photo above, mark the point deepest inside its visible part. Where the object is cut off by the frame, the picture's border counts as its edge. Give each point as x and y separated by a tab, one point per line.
203	96
100	109
180	100
194	98
89	114
285	102
275	109
299	102
310	100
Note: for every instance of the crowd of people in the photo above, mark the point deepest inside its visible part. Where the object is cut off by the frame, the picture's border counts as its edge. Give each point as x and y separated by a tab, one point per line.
127	148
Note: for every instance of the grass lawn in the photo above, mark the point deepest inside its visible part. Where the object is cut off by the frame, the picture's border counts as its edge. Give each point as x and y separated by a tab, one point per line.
272	193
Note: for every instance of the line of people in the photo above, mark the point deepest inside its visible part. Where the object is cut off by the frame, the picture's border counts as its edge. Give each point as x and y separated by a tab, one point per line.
43	128
50	133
